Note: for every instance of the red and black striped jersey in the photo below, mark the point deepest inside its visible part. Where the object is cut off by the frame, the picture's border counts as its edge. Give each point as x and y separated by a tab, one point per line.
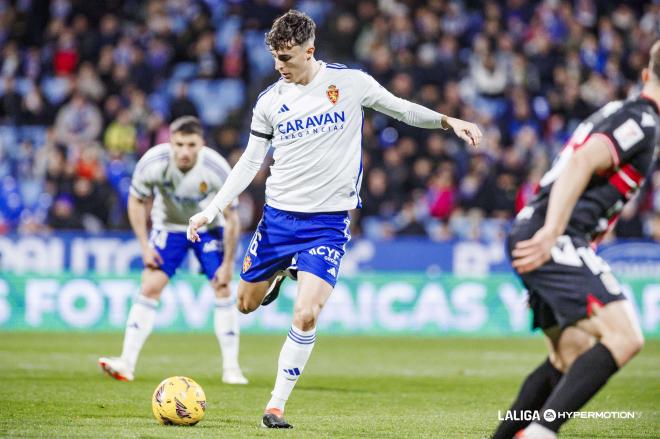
631	129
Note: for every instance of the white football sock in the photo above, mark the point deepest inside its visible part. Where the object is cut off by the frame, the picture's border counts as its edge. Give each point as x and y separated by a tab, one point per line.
293	357
225	323
139	325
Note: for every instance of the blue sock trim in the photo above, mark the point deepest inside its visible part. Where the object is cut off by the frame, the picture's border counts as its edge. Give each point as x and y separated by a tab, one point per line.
145	301
224	305
301	339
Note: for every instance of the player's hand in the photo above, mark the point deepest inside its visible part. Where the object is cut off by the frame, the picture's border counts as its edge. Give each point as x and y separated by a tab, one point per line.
195	223
222	275
151	258
531	254
467	131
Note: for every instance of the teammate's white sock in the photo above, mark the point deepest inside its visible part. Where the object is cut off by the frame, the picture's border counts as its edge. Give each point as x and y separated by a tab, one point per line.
139	325
225	323
293	357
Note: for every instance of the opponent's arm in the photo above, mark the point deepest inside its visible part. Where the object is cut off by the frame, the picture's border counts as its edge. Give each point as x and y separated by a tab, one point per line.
239	178
138	213
230	236
381	100
591	157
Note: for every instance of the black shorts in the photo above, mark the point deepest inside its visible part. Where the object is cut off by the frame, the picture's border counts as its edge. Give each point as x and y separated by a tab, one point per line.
567	287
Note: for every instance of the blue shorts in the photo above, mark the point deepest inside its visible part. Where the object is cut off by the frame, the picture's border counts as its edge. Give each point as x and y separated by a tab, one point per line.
173	248
315	242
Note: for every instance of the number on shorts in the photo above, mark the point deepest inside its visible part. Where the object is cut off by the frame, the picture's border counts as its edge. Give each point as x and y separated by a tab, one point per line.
565	253
159	238
254	244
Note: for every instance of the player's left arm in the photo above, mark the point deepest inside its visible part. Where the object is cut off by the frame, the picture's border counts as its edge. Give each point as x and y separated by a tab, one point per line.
595	155
230	236
380	99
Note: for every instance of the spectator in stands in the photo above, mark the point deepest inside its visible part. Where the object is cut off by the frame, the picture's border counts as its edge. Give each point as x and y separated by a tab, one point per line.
527	71
78	119
120	137
62	215
442	194
181	105
66	55
10	60
89	83
36	110
11	102
408	221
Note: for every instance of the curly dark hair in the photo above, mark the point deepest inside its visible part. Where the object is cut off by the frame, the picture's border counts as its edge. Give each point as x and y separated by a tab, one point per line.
291	29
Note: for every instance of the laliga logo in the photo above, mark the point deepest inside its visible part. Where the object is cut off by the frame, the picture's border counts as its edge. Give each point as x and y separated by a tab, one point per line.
549	415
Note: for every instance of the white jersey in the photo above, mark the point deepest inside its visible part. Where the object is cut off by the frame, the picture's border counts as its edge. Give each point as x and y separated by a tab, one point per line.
316	132
178	195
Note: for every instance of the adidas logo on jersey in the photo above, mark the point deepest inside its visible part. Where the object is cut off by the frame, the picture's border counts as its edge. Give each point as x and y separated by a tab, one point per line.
333	271
283	109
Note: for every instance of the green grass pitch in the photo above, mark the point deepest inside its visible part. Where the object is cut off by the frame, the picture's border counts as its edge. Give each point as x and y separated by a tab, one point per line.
352	387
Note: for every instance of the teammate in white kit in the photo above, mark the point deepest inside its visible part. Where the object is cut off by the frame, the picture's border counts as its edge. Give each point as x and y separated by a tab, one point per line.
180	176
312	117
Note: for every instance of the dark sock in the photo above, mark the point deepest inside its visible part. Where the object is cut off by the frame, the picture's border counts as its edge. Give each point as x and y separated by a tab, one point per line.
536	388
584	379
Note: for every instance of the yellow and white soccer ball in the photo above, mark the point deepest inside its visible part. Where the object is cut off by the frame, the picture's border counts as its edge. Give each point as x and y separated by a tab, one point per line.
178	401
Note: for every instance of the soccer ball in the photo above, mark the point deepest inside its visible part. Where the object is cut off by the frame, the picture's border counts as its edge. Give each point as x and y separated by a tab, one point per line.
178	401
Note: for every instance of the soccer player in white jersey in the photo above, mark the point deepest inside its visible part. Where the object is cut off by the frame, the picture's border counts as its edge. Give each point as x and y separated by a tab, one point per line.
312	117
180	176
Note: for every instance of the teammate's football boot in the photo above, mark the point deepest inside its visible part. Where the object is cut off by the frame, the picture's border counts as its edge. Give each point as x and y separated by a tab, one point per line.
273	418
274	288
116	368
535	431
233	376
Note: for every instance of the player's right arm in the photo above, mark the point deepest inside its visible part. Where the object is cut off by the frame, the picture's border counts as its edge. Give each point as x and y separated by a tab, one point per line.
138	207
239	178
592	157
261	131
138	214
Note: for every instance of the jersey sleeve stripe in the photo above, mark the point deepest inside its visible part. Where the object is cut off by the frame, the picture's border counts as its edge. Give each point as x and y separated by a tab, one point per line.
632	174
266	90
138	191
620	185
214	167
151	160
358	182
262	135
220	164
610	145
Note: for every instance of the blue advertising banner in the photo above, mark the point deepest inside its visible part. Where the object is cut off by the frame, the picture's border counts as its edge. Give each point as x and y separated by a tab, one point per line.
119	253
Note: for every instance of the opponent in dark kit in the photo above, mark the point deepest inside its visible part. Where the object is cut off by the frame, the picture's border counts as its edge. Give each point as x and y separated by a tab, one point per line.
590	327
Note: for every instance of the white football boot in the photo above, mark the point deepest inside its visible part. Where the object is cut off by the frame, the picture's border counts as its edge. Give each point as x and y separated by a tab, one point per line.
233	376
116	368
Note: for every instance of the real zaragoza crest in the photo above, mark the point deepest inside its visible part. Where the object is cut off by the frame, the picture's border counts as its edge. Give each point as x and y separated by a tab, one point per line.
333	93
247	263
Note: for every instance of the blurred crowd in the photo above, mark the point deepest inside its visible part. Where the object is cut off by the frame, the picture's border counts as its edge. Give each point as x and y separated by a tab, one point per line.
88	87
